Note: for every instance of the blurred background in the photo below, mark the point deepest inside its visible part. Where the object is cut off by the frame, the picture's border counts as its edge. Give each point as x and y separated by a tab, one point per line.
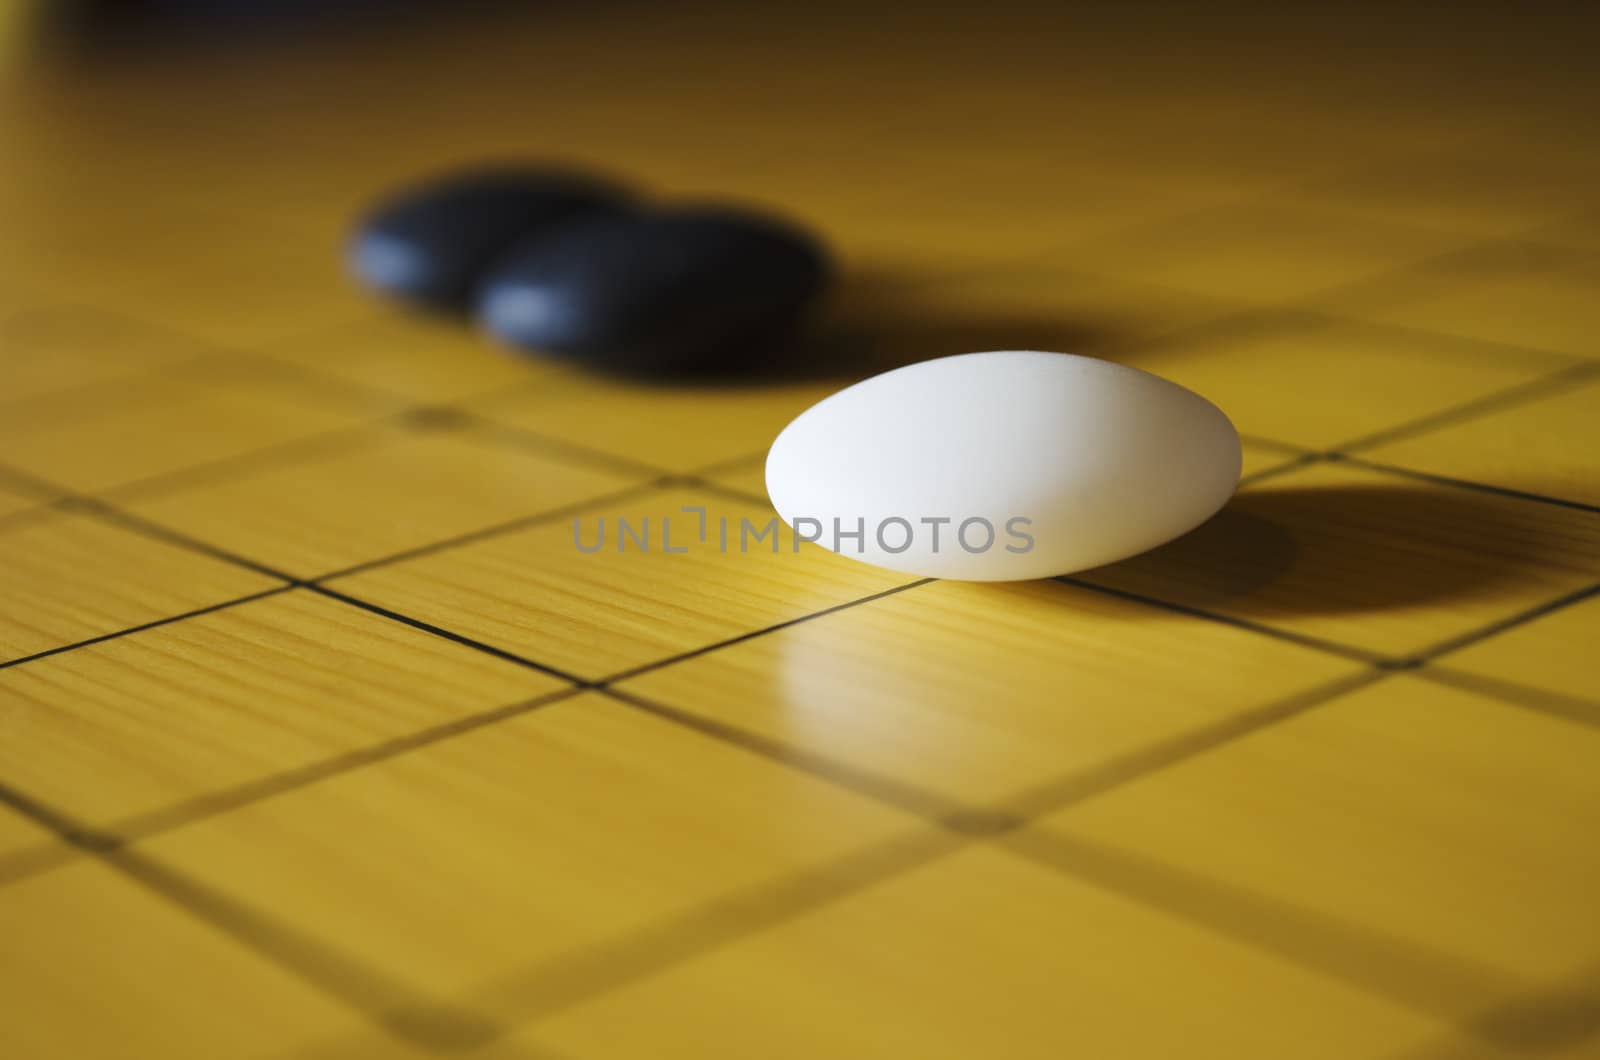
923	140
1369	231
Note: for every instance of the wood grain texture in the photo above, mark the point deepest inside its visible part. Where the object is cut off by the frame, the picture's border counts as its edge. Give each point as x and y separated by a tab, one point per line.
1315	780
618	606
1544	448
988	697
374	494
677	427
1368	379
1370	561
1388	811
128	431
580	824
71	577
978	952
198	710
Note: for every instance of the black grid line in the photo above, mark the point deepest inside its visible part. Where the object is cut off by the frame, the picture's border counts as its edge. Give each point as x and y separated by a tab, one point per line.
1515	693
1276	632
626	493
536	993
1466	484
141	627
284	455
1294	463
600	969
184	541
1354	298
42	510
534	441
129	830
1509	622
65	396
725	491
438	631
737	463
1031	804
1554	383
47	854
1434	983
657	664
389	1002
26	482
1542	1020
173	537
160	532
1394	970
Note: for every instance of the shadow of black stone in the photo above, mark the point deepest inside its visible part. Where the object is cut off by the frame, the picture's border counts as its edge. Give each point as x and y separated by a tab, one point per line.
875	321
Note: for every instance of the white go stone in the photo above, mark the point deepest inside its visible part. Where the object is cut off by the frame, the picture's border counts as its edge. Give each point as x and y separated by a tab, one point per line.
1003	466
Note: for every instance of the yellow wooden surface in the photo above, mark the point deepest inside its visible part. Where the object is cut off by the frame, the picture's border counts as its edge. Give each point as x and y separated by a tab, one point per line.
319	738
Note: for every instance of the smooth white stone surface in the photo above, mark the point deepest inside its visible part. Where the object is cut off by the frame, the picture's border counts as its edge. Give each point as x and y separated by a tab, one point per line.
1102	461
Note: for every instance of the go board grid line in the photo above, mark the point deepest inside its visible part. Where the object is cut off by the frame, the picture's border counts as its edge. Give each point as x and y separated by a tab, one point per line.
25	481
173	537
405	416
534	993
223	470
1381	663
962	818
1258	316
1353	299
218	802
160	532
1298	463
1285	449
1549	1019
1030	805
300	373
626	493
723	490
50	852
1494	629
369	991
269	785
1571	708
285	587
456	638
192	369
1264	629
477	428
731	464
1442	976
36	512
657	664
153	624
352	982
491	431
166	818
1458	483
1571	377
544	989
1426	980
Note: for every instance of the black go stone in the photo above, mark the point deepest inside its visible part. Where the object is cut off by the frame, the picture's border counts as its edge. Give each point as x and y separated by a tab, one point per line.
433	243
671	292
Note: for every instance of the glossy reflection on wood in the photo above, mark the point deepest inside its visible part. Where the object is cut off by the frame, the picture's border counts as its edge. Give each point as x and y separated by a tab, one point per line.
1314	780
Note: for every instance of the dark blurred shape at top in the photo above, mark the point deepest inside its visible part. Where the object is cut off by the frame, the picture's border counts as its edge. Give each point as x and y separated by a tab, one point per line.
232	22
